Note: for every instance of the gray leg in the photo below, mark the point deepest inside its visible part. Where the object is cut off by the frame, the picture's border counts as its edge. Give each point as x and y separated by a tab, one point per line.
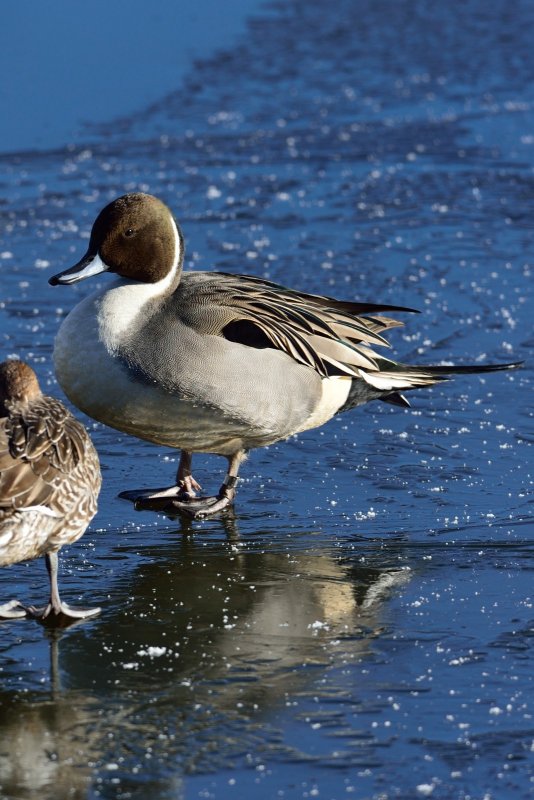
156	499
55	605
207	506
187	502
184	479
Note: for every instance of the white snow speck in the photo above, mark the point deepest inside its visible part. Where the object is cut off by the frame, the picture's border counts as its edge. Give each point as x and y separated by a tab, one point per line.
425	789
153	652
213	193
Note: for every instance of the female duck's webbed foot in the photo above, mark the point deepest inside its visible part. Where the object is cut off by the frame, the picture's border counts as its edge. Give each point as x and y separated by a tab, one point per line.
13	610
61	610
56	610
157	499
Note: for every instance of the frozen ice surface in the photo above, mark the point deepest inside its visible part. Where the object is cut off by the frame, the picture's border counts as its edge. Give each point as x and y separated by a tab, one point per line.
362	626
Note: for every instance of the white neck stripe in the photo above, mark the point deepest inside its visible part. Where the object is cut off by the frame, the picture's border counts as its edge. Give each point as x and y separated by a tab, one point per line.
177	248
120	305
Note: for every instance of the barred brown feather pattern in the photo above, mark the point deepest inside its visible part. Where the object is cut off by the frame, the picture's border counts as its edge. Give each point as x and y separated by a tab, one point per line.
45	427
49	479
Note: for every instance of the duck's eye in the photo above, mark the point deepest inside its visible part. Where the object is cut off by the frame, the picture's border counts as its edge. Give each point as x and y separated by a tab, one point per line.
129	232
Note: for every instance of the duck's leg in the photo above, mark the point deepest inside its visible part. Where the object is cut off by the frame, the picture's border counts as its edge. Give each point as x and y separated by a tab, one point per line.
200	507
184	480
55	606
186	486
182	498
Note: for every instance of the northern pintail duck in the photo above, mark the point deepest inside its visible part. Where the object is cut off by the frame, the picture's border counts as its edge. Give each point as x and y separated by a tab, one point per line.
49	482
213	362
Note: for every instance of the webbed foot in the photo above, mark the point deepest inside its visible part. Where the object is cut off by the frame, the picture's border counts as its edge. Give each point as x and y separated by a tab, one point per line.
13	610
202	507
185	489
182	498
61	612
194	507
139	495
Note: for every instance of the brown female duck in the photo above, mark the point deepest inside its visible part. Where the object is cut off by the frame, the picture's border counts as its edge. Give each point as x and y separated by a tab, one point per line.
49	482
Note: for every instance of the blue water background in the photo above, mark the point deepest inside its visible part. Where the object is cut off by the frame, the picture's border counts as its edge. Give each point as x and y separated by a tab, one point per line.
67	66
362	626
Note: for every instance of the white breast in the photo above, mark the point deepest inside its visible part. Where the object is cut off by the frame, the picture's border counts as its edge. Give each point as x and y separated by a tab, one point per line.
99	383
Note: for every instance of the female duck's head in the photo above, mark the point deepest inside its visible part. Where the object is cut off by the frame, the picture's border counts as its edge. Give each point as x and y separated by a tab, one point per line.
18	384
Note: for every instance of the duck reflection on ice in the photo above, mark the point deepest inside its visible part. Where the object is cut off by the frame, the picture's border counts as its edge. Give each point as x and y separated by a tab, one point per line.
204	641
204	613
47	742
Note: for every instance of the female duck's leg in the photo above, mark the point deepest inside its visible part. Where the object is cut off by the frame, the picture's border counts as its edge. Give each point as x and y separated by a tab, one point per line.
55	605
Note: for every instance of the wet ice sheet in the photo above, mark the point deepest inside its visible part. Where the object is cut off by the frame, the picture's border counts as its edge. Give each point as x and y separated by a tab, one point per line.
363	627
221	666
